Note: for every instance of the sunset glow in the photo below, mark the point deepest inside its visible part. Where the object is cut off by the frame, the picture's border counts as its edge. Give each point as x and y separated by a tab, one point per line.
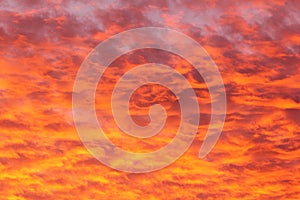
256	46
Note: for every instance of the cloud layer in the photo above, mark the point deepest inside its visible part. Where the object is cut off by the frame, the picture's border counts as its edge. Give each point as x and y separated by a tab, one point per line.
256	46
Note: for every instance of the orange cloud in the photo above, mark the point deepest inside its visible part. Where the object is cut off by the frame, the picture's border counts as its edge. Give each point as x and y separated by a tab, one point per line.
256	47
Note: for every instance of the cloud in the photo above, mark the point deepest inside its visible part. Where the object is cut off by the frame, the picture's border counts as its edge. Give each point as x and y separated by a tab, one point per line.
255	46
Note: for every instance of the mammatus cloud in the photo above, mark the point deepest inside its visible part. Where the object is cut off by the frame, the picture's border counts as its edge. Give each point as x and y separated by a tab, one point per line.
256	47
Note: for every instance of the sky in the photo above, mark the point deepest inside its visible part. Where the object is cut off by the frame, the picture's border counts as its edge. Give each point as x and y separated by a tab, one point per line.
256	46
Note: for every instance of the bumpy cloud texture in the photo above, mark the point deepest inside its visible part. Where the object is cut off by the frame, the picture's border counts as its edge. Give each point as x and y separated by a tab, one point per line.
256	45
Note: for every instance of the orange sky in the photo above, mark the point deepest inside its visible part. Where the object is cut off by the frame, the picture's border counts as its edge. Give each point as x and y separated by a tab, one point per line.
256	45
